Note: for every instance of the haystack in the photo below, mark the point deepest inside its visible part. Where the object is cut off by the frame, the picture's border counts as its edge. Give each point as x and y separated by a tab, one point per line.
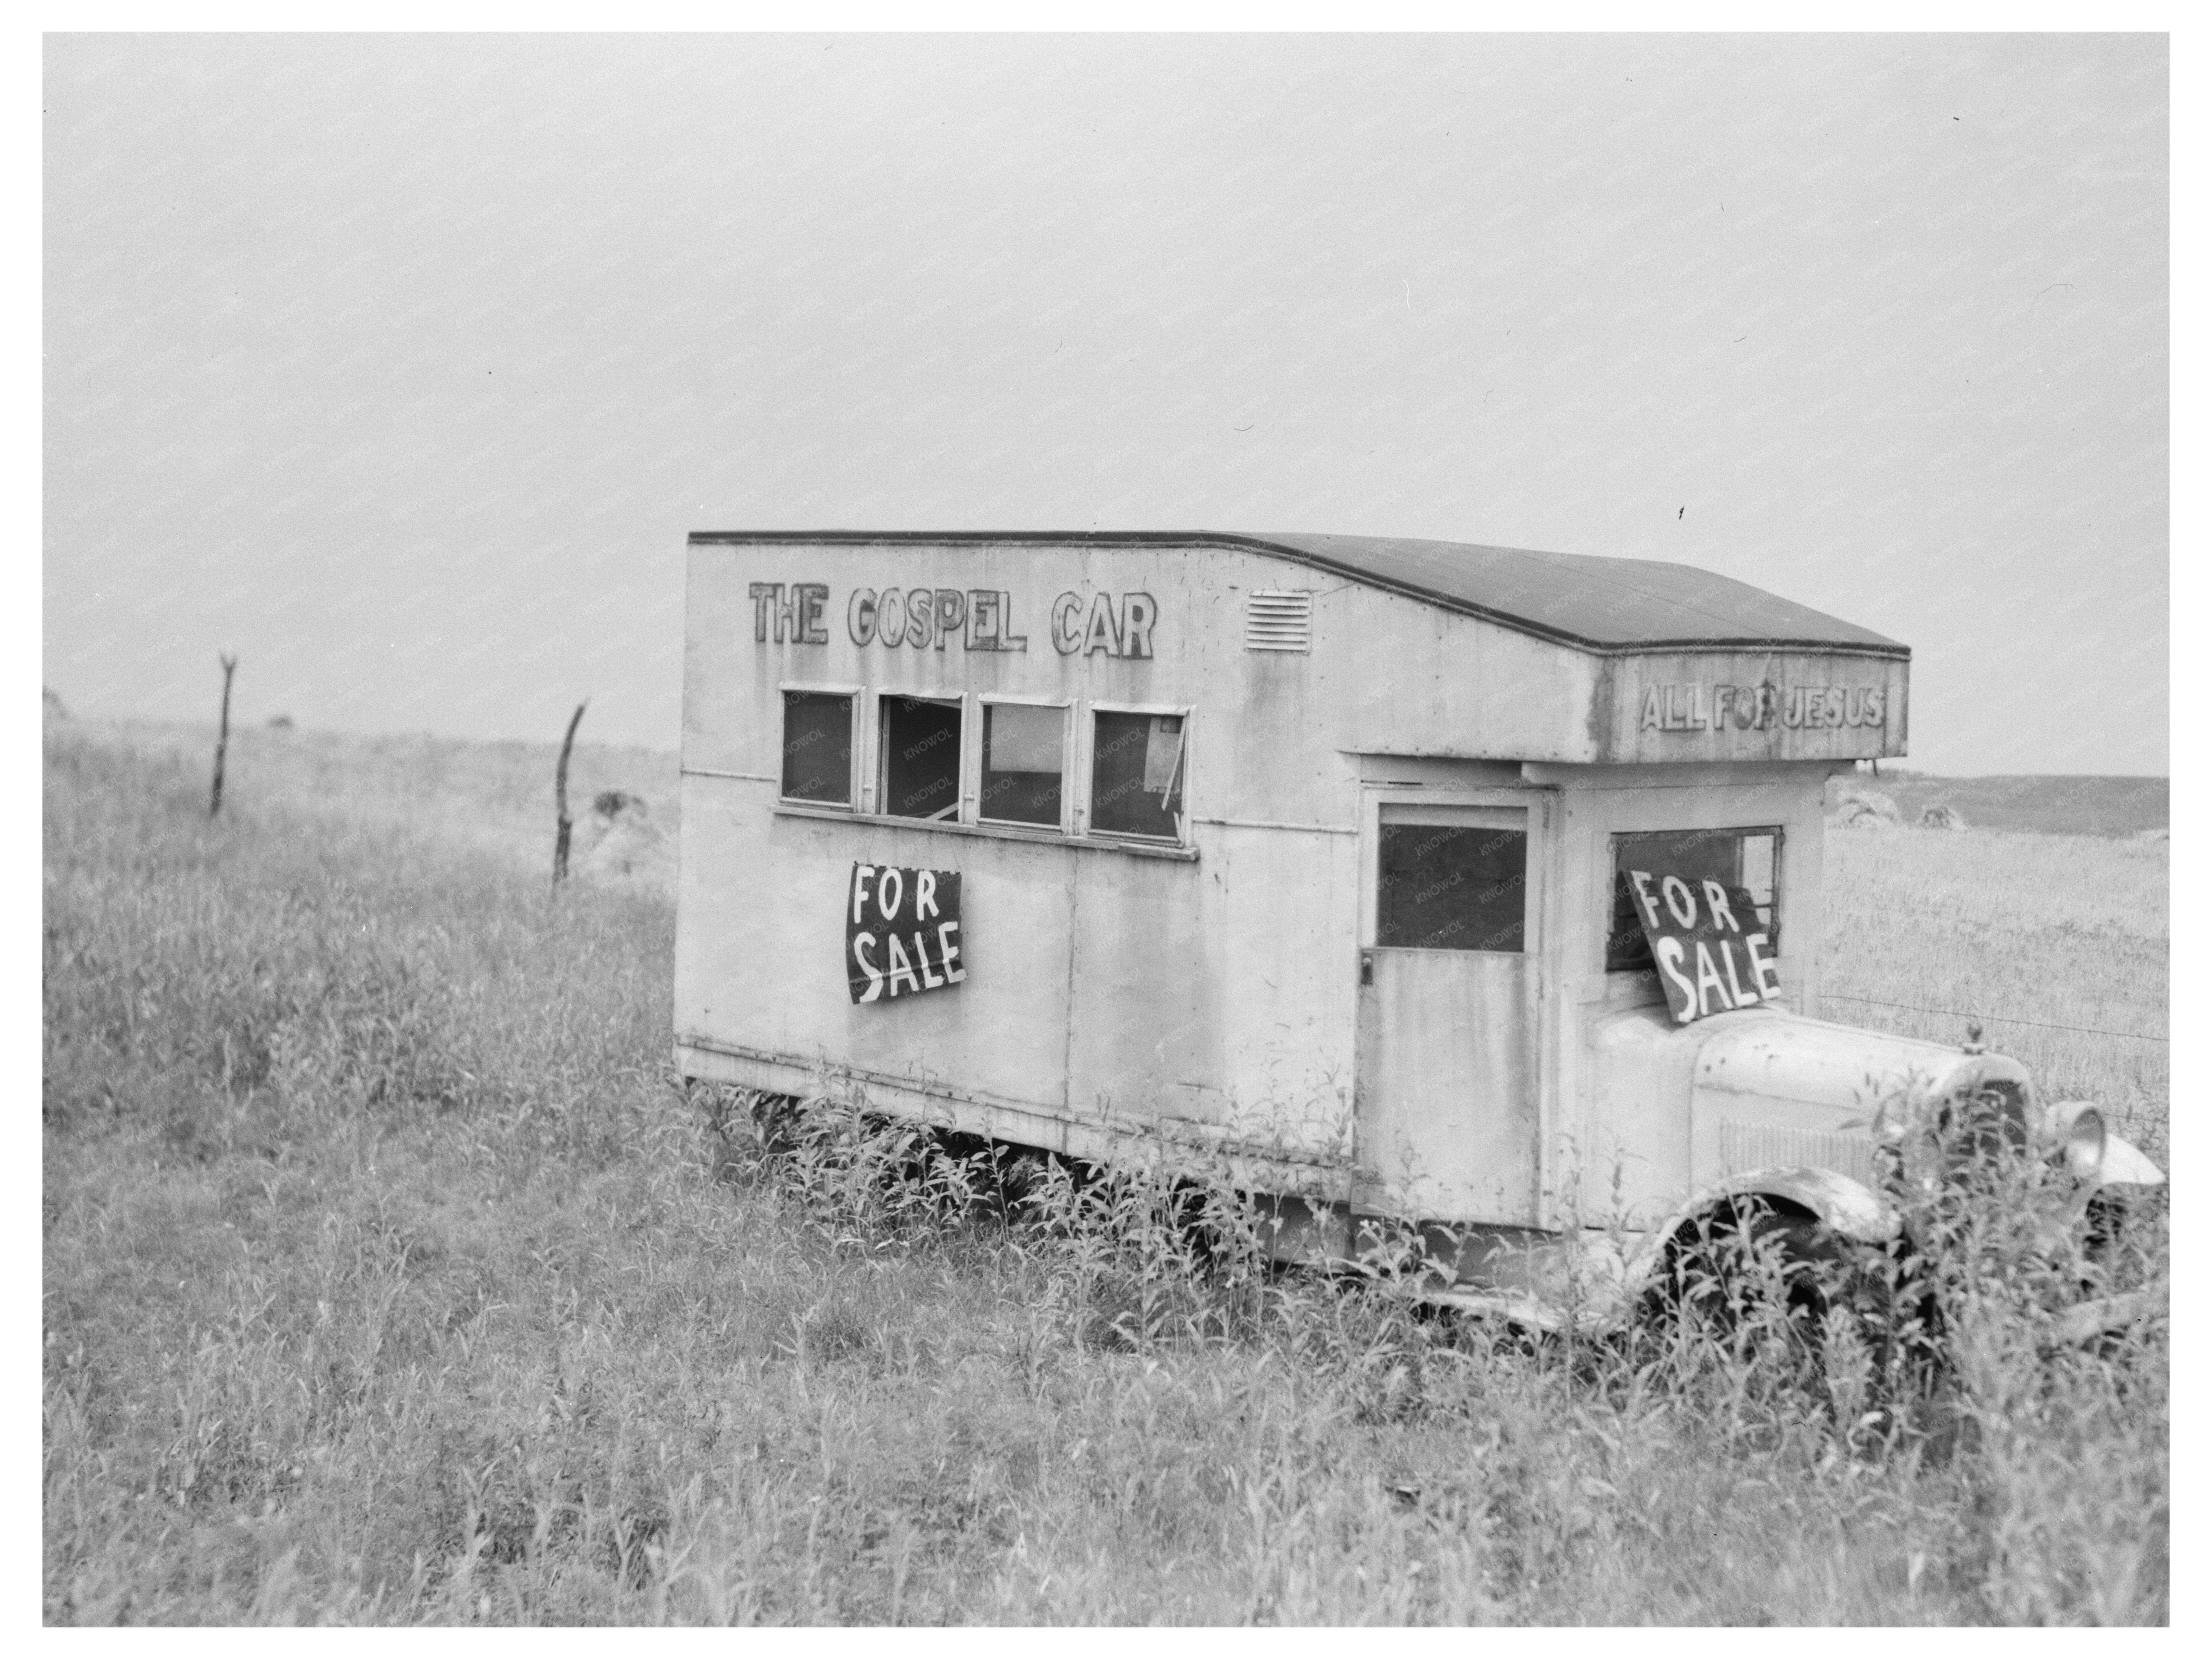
1856	807
618	840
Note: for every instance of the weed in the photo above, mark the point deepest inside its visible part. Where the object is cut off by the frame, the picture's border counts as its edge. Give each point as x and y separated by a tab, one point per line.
388	1277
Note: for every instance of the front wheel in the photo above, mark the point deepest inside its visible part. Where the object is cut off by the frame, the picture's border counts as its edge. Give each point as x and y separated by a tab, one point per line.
1782	1301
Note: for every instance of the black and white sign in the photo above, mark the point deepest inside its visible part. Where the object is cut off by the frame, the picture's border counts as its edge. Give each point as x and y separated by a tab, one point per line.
1708	943
902	931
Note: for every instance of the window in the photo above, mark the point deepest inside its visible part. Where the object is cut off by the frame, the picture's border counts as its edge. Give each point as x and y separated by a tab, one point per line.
1136	776
1451	886
817	747
1736	858
920	758
1022	764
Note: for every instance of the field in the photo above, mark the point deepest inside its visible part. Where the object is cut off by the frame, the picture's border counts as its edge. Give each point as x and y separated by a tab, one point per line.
388	1277
2042	805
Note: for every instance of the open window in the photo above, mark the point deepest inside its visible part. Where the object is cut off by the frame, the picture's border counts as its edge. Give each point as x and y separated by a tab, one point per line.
1024	757
1749	858
920	758
817	747
1136	775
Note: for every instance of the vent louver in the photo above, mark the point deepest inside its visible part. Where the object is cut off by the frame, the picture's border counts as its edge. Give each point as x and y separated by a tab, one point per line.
1278	619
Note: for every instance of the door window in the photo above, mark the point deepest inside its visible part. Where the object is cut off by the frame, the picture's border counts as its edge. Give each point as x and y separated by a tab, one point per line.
1451	887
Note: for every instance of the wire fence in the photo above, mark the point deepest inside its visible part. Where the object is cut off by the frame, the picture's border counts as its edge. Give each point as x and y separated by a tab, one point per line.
1996	1019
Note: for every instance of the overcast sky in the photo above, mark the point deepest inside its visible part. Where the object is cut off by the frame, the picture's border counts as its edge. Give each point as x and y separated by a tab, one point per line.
401	366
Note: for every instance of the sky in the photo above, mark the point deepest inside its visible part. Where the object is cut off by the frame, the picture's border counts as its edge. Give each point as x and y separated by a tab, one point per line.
400	366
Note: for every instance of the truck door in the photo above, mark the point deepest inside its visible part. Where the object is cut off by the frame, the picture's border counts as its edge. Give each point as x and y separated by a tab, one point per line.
1447	1115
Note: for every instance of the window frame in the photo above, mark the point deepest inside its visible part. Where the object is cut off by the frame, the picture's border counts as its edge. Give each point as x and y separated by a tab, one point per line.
1088	760
854	696
963	798
1414	813
972	780
1613	838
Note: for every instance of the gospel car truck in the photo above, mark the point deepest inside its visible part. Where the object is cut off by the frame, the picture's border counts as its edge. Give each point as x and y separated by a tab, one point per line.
1448	885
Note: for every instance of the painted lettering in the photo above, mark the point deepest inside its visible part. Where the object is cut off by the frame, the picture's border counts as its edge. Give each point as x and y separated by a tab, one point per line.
1717	901
1066	633
1708	979
930	981
1739	998
1641	881
1100	634
1764	972
900	967
920	617
862	874
860	614
1651	720
925	895
949	953
1666	951
952	613
889	889
813	600
1139	612
983	620
891	617
875	974
1679	901
763	596
1008	639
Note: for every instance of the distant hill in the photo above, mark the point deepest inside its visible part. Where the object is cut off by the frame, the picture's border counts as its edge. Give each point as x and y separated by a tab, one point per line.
2041	804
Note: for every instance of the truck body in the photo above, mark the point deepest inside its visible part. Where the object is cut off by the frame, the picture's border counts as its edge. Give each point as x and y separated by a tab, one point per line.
1332	861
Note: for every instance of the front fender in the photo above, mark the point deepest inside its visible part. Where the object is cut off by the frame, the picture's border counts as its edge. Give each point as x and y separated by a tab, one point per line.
2125	1166
1849	1207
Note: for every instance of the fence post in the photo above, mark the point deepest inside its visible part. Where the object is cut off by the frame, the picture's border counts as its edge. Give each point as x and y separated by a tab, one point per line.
560	799
221	732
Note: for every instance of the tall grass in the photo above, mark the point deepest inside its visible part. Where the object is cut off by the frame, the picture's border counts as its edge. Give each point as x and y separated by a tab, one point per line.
390	1277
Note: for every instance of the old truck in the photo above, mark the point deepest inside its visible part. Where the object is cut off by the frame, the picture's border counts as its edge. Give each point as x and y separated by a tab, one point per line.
1462	889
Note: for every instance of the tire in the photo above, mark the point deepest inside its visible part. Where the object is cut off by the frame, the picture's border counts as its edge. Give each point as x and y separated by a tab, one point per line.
1845	1324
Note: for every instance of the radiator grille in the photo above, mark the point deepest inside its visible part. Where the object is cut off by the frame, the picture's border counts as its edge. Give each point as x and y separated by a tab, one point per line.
1769	1145
1278	619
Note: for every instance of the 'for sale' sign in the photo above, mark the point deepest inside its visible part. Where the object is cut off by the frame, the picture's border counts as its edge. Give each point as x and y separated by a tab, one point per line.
902	931
1708	942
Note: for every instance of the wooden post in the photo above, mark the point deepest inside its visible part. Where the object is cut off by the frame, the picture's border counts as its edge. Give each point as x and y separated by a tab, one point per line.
560	799
221	732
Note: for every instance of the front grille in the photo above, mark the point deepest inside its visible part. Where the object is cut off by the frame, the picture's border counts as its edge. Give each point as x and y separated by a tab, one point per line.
1774	1146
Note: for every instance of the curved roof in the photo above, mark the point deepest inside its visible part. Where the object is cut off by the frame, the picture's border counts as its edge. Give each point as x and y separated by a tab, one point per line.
1594	604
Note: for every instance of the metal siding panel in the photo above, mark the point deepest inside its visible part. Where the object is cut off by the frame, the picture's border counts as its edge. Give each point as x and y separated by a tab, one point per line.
1292	909
1446	1089
1145	990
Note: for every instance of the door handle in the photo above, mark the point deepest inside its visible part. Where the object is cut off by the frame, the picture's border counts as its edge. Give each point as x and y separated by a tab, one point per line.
1367	967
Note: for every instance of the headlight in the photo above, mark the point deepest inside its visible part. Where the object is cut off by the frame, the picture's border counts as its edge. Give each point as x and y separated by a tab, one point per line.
2079	1128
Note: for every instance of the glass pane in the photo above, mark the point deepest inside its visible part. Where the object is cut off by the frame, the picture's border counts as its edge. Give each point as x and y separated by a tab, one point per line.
921	758
1021	763
1734	857
1451	887
1136	775
817	747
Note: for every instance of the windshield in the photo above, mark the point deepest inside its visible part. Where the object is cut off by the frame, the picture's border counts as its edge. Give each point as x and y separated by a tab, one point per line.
1736	858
